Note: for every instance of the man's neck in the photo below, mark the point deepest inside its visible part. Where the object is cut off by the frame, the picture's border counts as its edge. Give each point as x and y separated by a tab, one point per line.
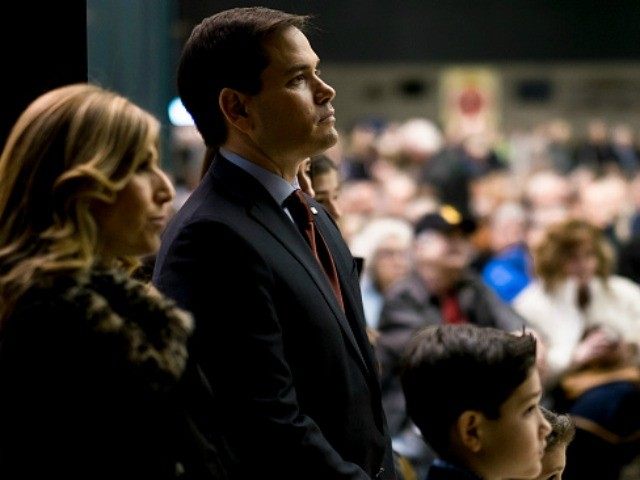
253	153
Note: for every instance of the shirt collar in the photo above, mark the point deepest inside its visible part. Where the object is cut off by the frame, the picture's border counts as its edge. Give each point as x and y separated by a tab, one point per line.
277	186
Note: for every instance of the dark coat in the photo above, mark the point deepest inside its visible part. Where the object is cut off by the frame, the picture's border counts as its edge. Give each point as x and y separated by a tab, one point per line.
445	471
87	367
280	370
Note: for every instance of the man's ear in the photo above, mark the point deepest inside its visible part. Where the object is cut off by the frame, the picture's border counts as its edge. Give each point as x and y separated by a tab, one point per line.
233	105
469	429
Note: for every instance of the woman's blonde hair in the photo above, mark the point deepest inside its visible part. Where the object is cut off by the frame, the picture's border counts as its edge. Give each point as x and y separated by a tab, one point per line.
71	147
561	241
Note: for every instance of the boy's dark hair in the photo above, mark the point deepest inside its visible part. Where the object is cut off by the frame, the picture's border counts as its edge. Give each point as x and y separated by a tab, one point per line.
562	428
448	369
321	164
226	50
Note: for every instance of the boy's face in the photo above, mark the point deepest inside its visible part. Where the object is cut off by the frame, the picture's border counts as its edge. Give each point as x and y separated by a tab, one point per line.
513	444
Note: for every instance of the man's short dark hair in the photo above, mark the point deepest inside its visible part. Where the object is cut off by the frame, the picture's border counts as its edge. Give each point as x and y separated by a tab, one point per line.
448	369
226	51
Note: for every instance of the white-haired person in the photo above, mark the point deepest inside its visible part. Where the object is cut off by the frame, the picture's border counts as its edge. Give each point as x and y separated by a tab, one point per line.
383	244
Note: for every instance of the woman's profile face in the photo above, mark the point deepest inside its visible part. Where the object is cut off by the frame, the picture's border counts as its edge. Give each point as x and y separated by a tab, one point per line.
582	263
131	226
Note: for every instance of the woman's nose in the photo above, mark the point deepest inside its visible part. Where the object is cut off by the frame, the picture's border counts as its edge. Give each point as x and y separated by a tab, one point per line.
164	190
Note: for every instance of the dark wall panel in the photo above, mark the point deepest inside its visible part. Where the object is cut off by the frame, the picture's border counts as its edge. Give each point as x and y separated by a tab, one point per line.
460	30
43	44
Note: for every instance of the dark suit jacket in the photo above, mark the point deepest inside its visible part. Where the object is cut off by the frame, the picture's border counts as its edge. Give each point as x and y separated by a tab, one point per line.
279	372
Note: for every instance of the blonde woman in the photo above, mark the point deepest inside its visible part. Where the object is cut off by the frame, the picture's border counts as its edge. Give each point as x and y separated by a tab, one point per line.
88	356
589	319
576	303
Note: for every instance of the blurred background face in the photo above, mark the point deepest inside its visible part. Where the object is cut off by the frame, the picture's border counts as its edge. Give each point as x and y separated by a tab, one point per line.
553	463
441	259
597	131
327	188
582	263
540	220
390	262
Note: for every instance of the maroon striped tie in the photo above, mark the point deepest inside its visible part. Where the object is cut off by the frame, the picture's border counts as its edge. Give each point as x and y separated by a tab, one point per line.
304	219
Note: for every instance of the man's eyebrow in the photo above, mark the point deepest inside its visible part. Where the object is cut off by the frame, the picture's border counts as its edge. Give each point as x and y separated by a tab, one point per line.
531	396
296	68
303	66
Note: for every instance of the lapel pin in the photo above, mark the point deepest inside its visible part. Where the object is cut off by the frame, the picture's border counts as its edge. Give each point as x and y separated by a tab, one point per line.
313	210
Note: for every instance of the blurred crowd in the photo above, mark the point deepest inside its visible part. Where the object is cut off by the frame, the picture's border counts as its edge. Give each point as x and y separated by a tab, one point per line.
396	301
511	185
537	227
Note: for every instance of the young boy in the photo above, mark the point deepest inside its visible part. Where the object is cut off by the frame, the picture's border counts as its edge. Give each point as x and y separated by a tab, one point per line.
474	393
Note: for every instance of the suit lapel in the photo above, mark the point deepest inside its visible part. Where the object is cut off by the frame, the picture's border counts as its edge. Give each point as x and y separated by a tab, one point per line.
352	298
342	262
282	229
264	210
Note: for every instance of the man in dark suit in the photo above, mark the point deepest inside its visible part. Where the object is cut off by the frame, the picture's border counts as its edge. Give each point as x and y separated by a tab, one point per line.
282	381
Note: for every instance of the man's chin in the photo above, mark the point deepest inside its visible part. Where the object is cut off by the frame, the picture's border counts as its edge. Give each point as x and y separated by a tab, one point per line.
330	139
322	145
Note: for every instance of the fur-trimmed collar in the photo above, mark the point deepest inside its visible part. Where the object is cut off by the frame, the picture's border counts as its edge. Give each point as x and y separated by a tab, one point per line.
146	329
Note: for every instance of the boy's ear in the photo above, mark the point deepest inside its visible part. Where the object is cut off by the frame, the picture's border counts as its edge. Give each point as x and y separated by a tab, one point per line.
468	430
233	105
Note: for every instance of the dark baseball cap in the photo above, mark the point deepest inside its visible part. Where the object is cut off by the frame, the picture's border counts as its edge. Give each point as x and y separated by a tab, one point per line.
447	220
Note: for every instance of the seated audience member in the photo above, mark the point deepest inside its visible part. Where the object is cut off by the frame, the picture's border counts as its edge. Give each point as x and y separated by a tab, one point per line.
88	355
441	289
510	268
325	180
383	244
596	151
361	152
475	393
589	320
578	306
